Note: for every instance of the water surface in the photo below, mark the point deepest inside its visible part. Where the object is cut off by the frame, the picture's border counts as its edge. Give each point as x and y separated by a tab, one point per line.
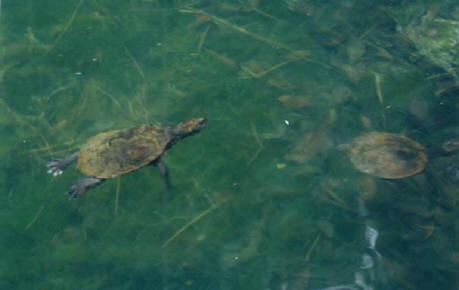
262	198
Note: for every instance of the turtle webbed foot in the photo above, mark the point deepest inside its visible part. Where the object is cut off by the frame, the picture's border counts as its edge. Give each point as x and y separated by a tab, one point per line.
79	187
76	190
57	165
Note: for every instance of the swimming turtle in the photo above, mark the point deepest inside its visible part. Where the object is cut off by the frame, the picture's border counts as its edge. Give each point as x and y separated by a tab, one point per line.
393	156
113	153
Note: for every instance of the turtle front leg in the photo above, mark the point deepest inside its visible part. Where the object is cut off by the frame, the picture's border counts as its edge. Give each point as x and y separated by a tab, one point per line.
79	187
57	165
164	173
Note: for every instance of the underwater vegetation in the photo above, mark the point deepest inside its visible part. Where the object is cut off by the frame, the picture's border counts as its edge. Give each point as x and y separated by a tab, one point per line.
265	197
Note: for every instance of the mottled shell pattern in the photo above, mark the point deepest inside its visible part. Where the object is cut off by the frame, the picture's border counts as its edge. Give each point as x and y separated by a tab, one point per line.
117	152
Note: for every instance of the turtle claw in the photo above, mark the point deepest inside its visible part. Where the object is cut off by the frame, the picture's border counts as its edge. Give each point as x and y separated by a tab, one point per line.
56	167
79	187
76	190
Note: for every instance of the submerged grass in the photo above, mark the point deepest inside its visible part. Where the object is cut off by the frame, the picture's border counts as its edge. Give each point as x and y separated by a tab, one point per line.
270	77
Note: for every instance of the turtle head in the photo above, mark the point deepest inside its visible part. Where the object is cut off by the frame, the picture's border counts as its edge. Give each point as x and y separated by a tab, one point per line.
189	127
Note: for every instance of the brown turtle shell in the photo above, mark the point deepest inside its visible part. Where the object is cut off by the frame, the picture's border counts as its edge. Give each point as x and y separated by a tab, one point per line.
117	152
387	155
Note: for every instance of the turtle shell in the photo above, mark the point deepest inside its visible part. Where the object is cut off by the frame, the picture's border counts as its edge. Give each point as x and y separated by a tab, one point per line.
113	153
387	155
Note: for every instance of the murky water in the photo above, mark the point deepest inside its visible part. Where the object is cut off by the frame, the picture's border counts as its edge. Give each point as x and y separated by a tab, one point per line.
264	197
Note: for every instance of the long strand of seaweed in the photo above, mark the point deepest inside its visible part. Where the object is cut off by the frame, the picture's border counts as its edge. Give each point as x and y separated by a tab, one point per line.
190	223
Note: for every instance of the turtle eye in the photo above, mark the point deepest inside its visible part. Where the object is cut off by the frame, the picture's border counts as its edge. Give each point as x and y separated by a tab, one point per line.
202	122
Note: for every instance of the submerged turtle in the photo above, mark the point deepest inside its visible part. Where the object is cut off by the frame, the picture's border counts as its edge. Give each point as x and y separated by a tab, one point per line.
392	156
113	153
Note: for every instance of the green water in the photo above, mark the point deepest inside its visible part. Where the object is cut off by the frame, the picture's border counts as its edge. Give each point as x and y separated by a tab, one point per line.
262	198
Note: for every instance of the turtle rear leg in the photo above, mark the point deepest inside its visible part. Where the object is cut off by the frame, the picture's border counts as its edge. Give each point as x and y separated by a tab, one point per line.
57	165
79	187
